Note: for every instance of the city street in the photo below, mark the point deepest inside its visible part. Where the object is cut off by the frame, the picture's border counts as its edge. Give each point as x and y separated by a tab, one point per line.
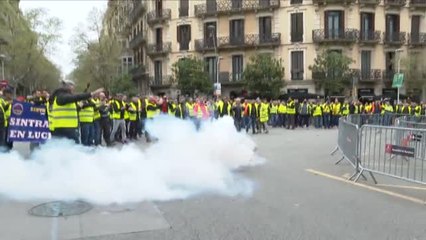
299	194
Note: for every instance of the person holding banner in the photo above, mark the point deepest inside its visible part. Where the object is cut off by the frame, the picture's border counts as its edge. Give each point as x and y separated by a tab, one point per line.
64	110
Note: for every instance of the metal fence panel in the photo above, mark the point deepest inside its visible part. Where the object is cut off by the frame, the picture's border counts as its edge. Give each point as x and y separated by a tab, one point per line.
393	151
347	140
387	119
418	122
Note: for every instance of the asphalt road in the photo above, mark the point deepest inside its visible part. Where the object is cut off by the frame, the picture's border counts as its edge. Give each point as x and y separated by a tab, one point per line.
291	203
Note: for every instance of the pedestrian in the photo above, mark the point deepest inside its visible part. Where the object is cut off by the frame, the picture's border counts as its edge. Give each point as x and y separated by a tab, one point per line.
317	114
64	111
237	111
105	121
291	114
304	112
133	118
264	115
86	116
118	110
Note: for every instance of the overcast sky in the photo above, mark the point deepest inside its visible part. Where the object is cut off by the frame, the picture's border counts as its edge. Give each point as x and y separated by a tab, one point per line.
72	13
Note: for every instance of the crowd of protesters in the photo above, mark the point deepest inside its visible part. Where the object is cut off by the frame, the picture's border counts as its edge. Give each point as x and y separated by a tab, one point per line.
95	118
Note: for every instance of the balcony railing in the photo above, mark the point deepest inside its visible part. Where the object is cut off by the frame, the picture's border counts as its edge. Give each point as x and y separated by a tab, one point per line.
137	40
324	2
137	10
230	78
395	3
371	37
335	36
228	7
369	2
138	71
159	49
184	12
418	3
246	41
417	39
394	38
368	76
160	81
388	76
158	16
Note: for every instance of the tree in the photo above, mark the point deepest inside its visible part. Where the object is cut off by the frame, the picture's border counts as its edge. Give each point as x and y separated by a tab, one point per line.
331	71
190	76
414	66
98	53
124	84
264	75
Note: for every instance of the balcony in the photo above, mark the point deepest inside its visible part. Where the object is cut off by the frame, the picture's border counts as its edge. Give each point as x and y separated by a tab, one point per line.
137	40
344	36
388	76
371	76
137	11
369	37
248	41
417	39
160	82
228	78
159	49
184	12
394	38
158	16
395	3
325	2
138	71
224	7
418	3
369	2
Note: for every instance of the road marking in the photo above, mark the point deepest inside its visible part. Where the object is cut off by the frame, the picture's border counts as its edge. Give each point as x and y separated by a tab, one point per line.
402	186
387	192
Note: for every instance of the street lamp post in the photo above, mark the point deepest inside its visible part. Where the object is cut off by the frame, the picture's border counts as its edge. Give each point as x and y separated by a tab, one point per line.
2	57
398	53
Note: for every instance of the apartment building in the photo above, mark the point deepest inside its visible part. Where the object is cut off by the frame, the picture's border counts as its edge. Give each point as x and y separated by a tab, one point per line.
226	33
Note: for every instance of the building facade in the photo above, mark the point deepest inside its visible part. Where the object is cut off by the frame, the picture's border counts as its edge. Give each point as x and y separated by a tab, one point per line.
226	33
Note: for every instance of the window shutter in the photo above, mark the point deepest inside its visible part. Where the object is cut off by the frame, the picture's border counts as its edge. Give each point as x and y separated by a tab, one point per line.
397	22
373	22
293	27
242	29
189	33
326	23
342	21
300	64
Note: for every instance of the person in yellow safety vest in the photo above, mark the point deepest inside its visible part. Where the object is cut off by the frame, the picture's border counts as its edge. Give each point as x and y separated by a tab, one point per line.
345	108
264	115
190	108
274	114
336	112
118	122
368	108
172	108
64	111
291	114
224	107
126	114
282	110
180	109
3	129
326	114
134	115
247	108
387	112
417	110
405	109
219	107
201	112
317	114
6	109
96	121
86	117
152	110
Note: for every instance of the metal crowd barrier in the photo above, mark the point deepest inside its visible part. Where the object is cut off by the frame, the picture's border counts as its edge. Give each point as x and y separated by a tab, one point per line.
394	151
387	119
418	122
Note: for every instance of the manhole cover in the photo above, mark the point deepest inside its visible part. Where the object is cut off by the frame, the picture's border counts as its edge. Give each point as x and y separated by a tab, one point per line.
60	209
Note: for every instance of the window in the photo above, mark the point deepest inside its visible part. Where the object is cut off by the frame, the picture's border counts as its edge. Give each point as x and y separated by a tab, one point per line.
210	34
367	26
237	67
184	36
365	64
159	7
211	67
297	65
415	29
184	8
392	27
334	24
211	6
296	1
265	29
158	36
158	71
237	4
264	3
236	31
297	27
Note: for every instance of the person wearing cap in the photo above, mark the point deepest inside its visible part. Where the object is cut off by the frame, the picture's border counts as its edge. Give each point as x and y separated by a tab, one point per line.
64	111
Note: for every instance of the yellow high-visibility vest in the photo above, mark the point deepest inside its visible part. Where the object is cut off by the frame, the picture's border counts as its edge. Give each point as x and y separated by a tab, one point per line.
64	116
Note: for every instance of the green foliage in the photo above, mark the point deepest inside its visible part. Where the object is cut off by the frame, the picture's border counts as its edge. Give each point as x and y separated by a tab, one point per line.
264	75
331	71
414	69
97	59
124	84
190	76
30	38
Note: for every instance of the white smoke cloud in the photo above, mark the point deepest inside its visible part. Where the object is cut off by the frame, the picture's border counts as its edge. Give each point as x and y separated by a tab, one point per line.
182	163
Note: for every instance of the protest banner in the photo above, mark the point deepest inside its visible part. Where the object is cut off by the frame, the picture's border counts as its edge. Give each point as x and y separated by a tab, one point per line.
28	123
